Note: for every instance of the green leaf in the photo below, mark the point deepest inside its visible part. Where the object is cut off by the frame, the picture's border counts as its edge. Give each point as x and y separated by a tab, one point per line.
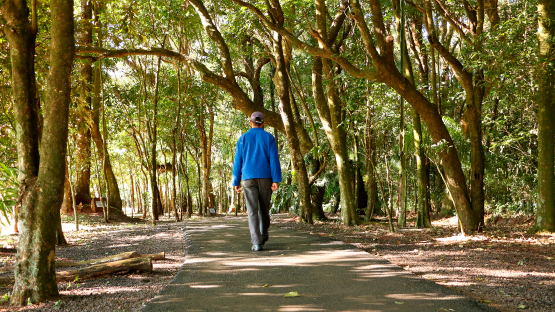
292	294
521	307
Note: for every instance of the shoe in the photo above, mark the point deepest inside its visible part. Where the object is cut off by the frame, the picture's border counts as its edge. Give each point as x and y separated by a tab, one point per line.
264	240
256	248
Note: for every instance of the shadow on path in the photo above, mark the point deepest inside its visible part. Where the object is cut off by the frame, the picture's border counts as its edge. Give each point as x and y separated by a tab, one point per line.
222	274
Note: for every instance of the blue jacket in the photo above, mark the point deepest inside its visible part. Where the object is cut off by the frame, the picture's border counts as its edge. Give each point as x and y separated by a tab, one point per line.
256	157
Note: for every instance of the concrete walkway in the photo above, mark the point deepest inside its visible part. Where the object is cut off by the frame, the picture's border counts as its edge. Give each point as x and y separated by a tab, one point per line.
222	274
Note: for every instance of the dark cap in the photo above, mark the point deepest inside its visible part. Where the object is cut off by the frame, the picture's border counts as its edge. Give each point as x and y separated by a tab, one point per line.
257	118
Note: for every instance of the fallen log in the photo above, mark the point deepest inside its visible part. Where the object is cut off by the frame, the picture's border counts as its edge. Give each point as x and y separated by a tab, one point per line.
141	264
121	256
156	256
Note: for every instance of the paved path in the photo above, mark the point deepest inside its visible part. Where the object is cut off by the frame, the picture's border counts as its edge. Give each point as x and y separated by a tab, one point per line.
222	274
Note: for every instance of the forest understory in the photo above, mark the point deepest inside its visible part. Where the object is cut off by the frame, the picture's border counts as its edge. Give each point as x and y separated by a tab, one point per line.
503	267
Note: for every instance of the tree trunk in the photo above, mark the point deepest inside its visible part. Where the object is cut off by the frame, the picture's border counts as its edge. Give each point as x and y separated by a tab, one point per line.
422	195
400	22
206	157
112	183
545	217
174	147
67	201
153	135
83	164
106	208
371	184
477	167
34	273
21	37
83	136
423	214
329	110
317	199
200	205
132	189
402	207
60	238
281	81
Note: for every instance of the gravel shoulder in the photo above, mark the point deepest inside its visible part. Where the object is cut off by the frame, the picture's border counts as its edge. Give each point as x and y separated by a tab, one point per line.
503	267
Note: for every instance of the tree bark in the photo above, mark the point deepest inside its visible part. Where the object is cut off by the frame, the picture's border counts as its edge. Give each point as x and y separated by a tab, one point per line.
60	238
206	156
474	85
21	37
545	217
83	137
43	194
281	80
153	138
67	203
422	205
112	183
371	183
402	207
329	109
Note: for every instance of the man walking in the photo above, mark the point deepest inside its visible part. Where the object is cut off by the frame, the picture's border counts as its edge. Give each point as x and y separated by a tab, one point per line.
257	164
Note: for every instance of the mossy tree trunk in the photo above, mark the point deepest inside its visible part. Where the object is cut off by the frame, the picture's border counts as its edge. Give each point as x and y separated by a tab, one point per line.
42	180
415	39
281	80
112	183
330	109
371	183
83	135
402	207
545	217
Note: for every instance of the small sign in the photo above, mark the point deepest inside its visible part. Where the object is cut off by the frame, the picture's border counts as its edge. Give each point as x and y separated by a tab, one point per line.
212	211
97	203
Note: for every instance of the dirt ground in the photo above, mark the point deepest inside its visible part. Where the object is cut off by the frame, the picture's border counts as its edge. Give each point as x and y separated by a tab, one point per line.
125	291
503	267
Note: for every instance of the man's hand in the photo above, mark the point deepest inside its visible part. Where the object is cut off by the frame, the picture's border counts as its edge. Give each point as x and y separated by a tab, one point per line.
274	187
238	188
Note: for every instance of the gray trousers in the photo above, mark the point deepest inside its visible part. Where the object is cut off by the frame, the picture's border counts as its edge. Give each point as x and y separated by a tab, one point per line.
258	193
